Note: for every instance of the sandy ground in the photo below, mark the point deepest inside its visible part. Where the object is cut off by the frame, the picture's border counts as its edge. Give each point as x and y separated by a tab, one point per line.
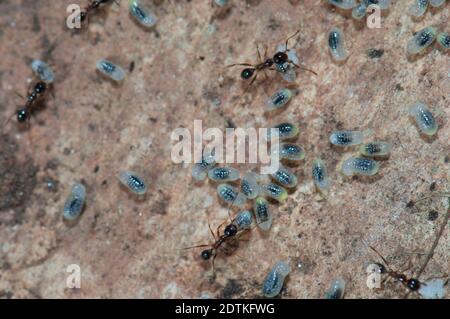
90	129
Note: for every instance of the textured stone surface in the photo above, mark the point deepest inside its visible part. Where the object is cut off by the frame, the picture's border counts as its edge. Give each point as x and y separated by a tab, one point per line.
90	129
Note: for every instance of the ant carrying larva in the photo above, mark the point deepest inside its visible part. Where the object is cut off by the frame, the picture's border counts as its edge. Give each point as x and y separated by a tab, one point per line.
278	62
93	6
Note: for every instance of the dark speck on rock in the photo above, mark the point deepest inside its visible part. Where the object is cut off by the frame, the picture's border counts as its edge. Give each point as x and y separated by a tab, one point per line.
231	289
432	215
375	53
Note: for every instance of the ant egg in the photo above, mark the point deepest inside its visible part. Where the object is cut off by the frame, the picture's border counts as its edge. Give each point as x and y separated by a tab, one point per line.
436	3
75	202
343	4
274	191
279	99
320	175
133	182
111	70
142	14
374	149
275	279
230	195
249	185
291	152
43	71
284	177
243	220
443	39
336	45
423	118
199	170
359	11
419	8
382	4
346	138
262	213
223	174
360	165
285	131
421	40
337	289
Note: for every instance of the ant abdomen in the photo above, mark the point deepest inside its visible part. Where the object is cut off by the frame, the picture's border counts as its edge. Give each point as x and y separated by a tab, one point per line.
247	73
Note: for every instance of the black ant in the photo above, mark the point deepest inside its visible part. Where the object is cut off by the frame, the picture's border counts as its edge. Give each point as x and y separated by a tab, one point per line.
413	284
23	114
91	7
280	59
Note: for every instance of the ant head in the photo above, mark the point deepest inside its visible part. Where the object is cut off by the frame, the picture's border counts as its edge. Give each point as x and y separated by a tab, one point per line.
40	87
230	230
206	254
247	73
83	16
280	58
22	115
413	284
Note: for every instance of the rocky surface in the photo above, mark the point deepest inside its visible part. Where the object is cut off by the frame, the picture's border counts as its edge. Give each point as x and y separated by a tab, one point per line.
90	129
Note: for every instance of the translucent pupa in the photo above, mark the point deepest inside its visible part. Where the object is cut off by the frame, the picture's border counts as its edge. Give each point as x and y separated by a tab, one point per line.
346	138
133	182
421	40
263	213
376	148
284	177
336	290
360	166
336	45
289	151
243	220
275	279
320	175
359	11
230	195
418	8
279	99
249	185
142	14
286	131
43	71
200	170
443	39
110	70
74	204
423	118
343	4
223	174
274	191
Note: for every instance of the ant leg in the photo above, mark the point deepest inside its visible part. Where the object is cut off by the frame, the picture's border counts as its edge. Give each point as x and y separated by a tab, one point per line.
259	54
192	247
240	64
287	40
302	67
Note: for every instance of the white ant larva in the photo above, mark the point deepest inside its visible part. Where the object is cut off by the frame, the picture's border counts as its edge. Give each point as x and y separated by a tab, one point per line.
343	4
443	39
421	40
133	182
75	202
230	195
249	185
143	15
374	149
284	177
111	70
360	166
320	175
346	138
223	174
336	45
336	290
43	71
423	118
275	279
263	213
279	99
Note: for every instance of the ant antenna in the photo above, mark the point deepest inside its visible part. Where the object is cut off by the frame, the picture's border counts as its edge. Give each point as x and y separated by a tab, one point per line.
384	260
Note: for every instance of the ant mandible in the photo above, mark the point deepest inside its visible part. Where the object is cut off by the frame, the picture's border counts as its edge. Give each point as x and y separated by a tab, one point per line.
413	284
280	59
